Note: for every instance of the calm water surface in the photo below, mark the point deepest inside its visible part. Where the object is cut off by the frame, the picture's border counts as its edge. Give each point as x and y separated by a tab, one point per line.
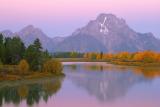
87	85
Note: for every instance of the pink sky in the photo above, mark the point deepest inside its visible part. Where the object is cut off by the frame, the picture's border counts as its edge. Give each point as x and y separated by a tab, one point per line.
62	17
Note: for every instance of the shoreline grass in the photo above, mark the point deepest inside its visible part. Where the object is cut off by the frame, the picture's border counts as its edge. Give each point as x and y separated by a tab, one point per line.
10	76
14	77
140	64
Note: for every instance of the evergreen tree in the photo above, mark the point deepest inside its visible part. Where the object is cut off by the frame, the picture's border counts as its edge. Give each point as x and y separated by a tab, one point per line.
14	50
101	55
2	48
37	45
34	55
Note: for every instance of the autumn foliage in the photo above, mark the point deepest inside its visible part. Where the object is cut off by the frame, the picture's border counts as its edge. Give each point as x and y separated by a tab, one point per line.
143	56
23	67
146	56
52	66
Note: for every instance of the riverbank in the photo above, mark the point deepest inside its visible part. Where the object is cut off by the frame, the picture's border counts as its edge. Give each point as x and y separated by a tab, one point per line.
34	75
133	63
29	81
79	60
21	71
12	72
115	62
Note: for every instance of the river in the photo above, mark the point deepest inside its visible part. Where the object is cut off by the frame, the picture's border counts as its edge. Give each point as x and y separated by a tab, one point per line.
87	84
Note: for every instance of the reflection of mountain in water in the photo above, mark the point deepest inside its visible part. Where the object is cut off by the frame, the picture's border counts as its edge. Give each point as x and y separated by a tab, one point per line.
31	91
107	85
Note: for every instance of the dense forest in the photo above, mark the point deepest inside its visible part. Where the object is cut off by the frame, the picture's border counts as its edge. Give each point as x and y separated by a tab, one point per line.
16	57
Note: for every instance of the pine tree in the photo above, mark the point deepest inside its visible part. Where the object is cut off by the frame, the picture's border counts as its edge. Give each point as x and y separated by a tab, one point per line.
2	48
34	55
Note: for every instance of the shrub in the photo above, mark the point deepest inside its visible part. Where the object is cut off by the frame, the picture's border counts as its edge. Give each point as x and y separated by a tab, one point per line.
52	66
146	56
23	67
1	62
1	65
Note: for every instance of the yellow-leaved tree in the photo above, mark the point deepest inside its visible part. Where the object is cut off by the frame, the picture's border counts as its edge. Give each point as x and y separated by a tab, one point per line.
23	67
52	66
145	56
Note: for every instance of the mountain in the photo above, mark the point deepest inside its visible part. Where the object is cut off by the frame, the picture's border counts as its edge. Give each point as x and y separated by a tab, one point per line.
29	33
113	33
80	43
106	33
58	39
7	33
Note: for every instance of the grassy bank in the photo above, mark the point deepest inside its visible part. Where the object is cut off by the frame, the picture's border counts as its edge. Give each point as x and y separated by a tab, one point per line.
134	63
49	68
34	75
12	72
28	81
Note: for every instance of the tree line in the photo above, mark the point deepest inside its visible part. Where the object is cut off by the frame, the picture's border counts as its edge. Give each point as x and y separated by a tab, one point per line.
142	56
68	55
33	58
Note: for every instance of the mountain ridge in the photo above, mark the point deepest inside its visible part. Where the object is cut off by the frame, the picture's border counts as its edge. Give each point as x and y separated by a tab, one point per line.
116	35
106	33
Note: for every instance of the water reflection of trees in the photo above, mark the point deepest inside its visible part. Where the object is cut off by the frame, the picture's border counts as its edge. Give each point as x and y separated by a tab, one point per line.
148	72
32	93
113	82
